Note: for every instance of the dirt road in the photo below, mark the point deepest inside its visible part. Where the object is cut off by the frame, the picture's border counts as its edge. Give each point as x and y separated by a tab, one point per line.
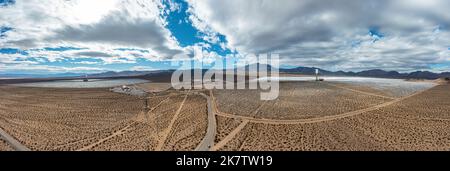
208	140
12	141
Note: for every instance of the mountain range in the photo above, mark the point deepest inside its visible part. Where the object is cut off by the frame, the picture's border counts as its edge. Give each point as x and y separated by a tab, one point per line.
377	73
40	75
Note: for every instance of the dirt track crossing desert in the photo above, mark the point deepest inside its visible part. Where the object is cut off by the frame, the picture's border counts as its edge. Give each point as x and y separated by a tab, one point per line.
355	118
401	124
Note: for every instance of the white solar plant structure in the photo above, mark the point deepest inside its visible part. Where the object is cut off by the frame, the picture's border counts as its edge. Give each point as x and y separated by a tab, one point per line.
317	74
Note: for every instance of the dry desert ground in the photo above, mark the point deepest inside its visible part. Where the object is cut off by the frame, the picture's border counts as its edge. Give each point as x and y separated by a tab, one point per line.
297	100
96	119
416	122
311	116
224	127
5	146
154	87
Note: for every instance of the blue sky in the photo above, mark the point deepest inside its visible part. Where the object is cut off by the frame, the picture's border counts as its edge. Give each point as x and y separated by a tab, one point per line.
6	2
96	36
186	34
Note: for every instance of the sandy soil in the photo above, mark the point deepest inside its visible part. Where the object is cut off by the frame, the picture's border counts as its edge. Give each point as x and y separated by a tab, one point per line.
154	87
238	102
225	126
363	89
64	119
442	81
164	114
96	119
5	146
416	123
143	133
148	130
190	127
297	100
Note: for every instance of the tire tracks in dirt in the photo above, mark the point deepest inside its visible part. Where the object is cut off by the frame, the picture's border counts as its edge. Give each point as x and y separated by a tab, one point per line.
169	128
246	119
114	134
139	118
230	136
319	119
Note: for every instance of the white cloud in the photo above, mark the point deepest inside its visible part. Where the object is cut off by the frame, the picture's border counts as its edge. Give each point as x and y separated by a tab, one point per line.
86	63
328	34
142	68
116	60
319	33
47	68
102	26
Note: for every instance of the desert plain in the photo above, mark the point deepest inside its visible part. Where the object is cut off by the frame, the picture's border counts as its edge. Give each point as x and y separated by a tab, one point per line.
307	116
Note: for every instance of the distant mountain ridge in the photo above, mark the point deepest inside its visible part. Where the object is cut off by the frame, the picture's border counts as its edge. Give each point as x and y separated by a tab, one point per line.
121	73
377	73
67	74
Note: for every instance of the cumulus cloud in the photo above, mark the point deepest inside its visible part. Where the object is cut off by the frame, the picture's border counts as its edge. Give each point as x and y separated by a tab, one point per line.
117	29
98	25
401	35
333	34
47	68
86	63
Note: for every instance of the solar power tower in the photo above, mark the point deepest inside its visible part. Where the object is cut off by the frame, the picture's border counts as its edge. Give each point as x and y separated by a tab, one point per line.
317	74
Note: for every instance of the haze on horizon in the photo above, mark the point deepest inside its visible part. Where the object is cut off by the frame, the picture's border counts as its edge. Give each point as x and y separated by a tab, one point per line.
93	36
